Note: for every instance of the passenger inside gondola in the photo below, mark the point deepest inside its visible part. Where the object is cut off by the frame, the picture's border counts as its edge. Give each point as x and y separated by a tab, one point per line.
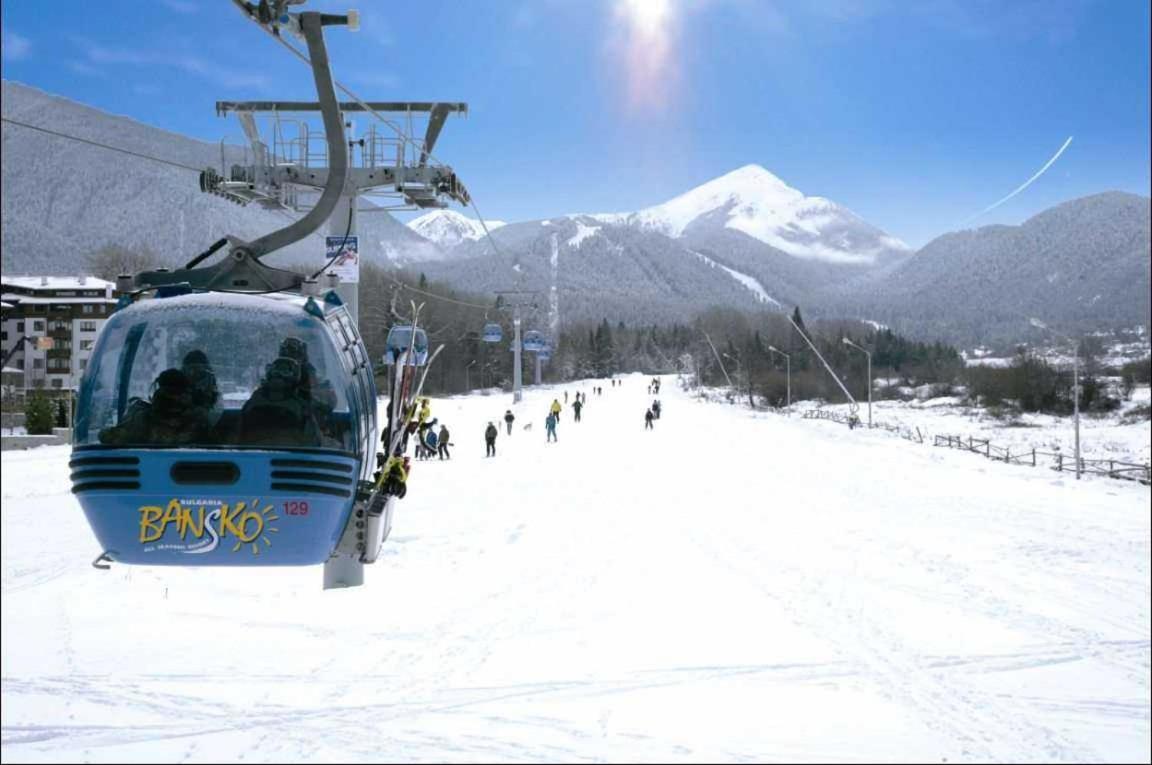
169	419
280	411
202	379
314	387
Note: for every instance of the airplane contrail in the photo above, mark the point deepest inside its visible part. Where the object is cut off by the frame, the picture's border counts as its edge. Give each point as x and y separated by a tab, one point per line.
1023	185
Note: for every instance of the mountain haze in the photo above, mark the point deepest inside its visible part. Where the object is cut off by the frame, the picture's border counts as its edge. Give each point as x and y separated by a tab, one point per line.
745	240
1079	266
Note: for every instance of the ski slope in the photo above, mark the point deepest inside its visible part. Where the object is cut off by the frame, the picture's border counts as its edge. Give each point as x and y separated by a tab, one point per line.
725	587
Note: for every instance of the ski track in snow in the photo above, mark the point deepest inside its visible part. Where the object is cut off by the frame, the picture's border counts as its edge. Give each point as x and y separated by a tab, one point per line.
750	282
813	594
582	233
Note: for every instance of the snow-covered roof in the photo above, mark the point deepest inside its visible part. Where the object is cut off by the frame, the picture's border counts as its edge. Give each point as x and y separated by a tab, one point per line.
4	304
263	303
57	282
13	371
37	300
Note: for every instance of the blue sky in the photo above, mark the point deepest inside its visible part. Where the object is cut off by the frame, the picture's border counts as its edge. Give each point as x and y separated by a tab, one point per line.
916	115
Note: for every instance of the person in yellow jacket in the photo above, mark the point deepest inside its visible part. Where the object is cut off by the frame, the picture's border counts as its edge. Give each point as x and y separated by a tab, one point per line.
556	408
425	412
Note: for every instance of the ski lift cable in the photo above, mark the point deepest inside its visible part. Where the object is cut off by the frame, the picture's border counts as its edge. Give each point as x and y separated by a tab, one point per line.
419	291
101	145
484	225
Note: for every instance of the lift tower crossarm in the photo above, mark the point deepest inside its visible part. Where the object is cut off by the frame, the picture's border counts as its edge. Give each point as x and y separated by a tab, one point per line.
448	107
422	184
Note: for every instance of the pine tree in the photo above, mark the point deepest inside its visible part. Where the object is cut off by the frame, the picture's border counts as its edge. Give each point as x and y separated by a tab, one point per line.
797	347
798	320
38	416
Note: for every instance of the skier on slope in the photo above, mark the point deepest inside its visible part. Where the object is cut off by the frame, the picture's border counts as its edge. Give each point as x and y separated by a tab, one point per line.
430	438
556	408
648	419
428	442
550	426
509	418
442	448
490	434
577	406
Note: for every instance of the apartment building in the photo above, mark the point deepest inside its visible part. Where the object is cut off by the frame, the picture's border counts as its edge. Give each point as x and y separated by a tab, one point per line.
69	310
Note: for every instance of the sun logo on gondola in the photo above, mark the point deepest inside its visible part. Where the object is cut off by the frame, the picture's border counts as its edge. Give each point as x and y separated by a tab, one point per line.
252	525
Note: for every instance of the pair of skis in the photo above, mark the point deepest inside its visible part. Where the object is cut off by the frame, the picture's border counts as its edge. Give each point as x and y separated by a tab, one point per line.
403	397
380	504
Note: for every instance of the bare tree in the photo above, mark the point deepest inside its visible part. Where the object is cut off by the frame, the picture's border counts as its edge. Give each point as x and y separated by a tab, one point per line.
111	260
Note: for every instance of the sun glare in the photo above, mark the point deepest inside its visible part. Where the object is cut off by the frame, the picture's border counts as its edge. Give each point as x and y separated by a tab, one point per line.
646	49
647	17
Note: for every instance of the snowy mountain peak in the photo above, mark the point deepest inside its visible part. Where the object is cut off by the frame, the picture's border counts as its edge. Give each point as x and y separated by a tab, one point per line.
756	202
751	176
449	228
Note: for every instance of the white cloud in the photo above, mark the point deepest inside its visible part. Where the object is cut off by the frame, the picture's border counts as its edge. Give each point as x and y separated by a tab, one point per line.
377	79
181	6
220	74
1023	185
14	47
102	54
84	68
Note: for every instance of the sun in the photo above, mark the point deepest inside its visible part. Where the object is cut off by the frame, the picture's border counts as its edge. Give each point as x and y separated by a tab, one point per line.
263	523
649	18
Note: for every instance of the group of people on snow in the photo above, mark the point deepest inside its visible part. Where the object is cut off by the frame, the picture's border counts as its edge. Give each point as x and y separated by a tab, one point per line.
653	413
430	442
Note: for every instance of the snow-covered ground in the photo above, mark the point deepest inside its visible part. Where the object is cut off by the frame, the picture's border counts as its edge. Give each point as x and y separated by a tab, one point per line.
729	586
1107	437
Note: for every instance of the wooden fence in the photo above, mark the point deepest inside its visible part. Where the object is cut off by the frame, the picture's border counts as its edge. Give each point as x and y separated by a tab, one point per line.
831	414
1128	471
